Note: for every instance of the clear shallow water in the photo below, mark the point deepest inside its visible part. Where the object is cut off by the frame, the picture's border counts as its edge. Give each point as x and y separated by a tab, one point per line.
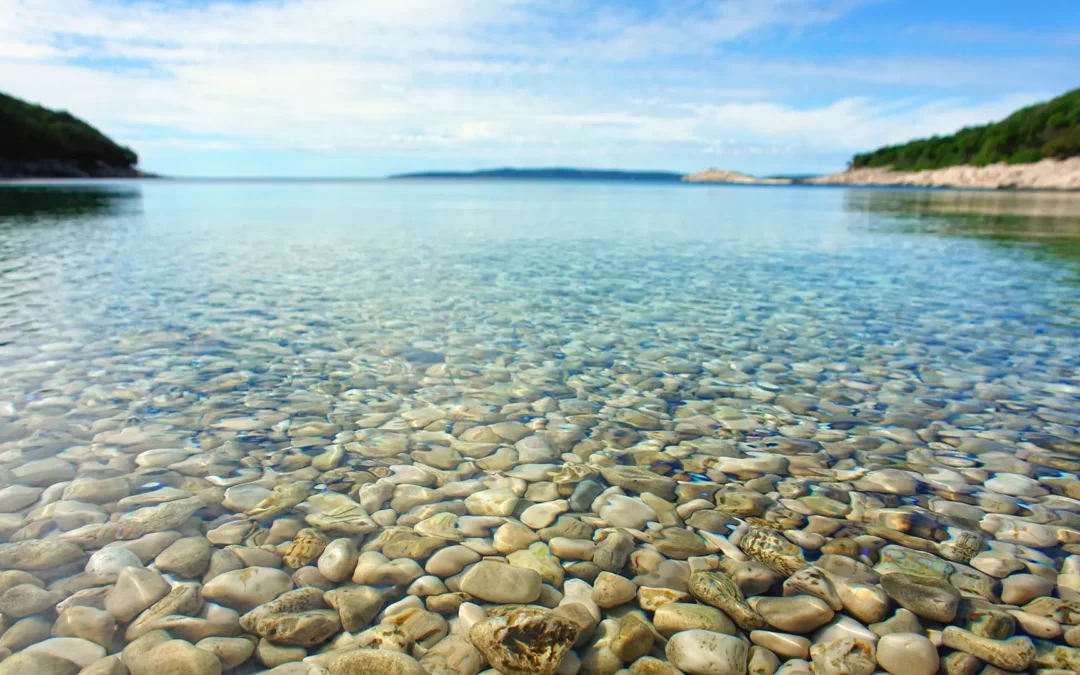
253	326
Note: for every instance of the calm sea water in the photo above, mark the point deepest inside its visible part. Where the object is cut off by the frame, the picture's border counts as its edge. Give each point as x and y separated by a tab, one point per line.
153	276
193	335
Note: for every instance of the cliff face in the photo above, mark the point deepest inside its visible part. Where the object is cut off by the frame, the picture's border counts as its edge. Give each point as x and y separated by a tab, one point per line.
36	142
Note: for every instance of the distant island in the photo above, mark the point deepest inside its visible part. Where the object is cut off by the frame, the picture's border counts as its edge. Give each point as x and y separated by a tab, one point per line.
36	142
1037	147
720	176
547	174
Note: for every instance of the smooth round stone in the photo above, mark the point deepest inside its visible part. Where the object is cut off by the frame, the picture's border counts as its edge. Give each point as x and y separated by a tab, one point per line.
37	663
449	561
427	585
111	559
493	502
38	554
1015	485
513	536
703	652
842	627
611	590
245	589
375	569
675	617
338	560
180	657
27	599
996	563
907	654
17	497
540	516
77	650
25	632
371	661
572	549
231	652
245	497
623	511
892	481
187	557
929	598
1037	626
1020	589
88	623
136	589
498	582
794	614
783	644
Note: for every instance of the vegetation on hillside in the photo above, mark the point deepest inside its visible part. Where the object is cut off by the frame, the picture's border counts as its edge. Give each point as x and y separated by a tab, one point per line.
31	133
1042	131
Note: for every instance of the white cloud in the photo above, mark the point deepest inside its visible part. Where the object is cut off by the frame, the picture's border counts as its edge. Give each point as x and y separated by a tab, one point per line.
514	78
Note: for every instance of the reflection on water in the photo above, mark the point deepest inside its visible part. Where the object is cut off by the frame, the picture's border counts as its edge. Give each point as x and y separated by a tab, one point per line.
48	204
1046	224
651	381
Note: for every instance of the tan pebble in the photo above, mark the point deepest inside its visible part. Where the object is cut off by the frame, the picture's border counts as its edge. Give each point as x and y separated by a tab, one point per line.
650	599
762	661
271	655
782	644
30	663
907	654
846	656
1016	653
611	590
1037	626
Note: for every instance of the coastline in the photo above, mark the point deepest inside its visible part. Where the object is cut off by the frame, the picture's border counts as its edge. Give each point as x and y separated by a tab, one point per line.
12	170
1048	174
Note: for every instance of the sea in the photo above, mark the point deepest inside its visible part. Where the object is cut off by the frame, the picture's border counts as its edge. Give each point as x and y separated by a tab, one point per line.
228	338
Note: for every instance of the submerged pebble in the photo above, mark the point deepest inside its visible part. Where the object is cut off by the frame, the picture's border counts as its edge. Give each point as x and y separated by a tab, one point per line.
474	461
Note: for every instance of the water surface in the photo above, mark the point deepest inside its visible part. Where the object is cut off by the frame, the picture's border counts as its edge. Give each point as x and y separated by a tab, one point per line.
252	327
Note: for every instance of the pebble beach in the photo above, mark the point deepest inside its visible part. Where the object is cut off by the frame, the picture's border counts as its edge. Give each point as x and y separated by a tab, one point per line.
794	449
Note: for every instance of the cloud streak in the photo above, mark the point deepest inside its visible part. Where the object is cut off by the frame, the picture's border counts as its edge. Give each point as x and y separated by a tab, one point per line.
523	80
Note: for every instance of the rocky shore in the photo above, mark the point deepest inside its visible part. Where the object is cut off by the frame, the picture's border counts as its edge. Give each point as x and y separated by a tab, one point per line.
516	541
11	170
1049	174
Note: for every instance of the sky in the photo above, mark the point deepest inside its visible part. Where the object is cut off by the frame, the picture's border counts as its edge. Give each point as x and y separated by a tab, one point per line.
374	87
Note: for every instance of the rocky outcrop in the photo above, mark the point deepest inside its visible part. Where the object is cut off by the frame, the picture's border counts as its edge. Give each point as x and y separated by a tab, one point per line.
1049	174
719	176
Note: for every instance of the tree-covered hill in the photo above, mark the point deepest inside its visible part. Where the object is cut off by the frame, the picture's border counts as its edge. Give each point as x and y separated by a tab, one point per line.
1048	130
36	141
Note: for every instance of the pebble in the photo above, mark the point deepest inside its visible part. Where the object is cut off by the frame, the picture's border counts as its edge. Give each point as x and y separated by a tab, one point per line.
1013	654
498	582
112	560
783	644
846	656
371	661
611	590
907	654
80	652
703	652
136	589
795	614
179	657
245	589
673	617
37	663
88	623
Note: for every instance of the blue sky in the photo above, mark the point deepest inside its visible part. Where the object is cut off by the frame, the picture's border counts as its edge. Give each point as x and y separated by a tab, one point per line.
370	87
